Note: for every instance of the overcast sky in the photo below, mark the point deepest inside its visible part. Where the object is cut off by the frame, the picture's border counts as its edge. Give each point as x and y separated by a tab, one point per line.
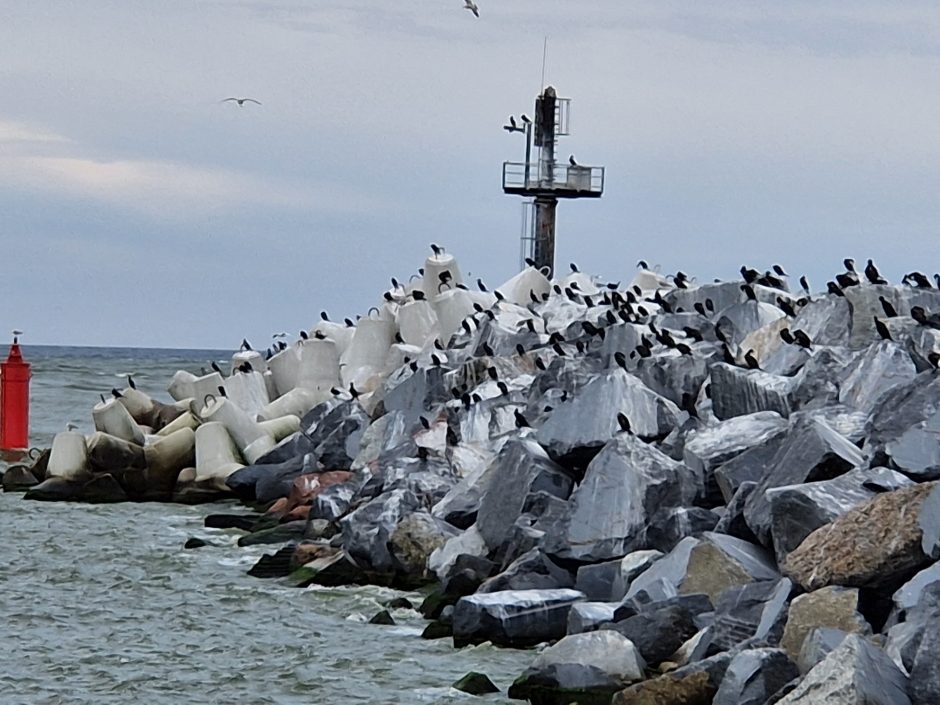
137	210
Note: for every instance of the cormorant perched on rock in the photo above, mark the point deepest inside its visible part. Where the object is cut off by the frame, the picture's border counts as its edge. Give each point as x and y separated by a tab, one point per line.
786	307
539	364
574	267
620	359
571	161
749	292
934	359
751	361
804	282
425	423
699	308
437	250
319	335
503	388
487	350
882	329
709	305
693	333
642	264
324	316
919	279
888	307
802	339
130	382
493	373
349	323
353	392
624	423
873	275
245	345
521	421
116	394
834	288
749	275
787	336
215	366
520	349
435	360
304	335
683	349
779	271
222	392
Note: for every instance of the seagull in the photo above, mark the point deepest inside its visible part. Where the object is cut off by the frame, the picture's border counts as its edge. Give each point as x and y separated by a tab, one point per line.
16	336
241	101
472	6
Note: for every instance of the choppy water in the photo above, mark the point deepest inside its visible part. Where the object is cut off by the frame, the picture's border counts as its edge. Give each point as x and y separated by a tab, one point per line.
101	604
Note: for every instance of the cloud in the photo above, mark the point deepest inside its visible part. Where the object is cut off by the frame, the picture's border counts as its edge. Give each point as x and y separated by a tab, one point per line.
13	133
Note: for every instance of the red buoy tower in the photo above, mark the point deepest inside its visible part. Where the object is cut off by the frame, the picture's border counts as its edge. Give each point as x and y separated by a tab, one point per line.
14	400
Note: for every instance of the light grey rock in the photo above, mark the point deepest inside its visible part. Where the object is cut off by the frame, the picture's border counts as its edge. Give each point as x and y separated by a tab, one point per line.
739	392
589	616
856	673
631	566
673	375
709	447
917	450
586	664
663	578
522	468
902	407
742	319
415	393
515	618
819	643
826	320
881	367
586	422
754	675
909	595
798	510
812	451
530	571
608	512
864	304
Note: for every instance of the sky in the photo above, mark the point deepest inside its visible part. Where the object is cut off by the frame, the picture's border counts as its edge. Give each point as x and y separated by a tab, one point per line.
138	210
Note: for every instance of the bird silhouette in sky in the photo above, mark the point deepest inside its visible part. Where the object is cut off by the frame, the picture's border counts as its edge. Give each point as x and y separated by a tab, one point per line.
241	101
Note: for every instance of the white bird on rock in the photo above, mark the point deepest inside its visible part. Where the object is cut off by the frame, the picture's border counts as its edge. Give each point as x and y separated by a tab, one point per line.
472	6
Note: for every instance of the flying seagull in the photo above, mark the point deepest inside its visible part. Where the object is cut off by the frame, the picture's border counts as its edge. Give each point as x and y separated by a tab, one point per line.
472	6
241	101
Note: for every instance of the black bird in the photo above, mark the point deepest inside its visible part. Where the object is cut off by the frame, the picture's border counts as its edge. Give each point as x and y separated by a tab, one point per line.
787	336
749	275
934	359
413	365
116	394
320	336
779	270
503	389
539	364
834	288
849	264
423	454
388	296
642	264
751	361
498	294
643	351
749	292
786	307
480	284
435	360
920	315
693	333
445	276
465	400
487	350
889	309
222	392
418	295
438	345
245	345
804	282
611	318
873	275
589	328
349	323
525	119
530	324
324	316
580	346
425	423
520	349
529	262
465	324
512	121
102	398
215	366
246	367
624	423
574	267
533	298
726	355
130	382
558	350
556	337
620	359
304	335
681	280
919	278
353	392
493	373
520	419
571	160
436	249
802	339
476	398
710	305
683	349
882	329
847	279
699	308
395	284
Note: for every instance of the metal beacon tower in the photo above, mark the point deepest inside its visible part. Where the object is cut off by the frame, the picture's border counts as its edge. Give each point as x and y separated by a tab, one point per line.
543	180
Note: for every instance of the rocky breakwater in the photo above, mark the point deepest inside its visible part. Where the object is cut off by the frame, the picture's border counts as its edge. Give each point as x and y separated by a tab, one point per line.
696	494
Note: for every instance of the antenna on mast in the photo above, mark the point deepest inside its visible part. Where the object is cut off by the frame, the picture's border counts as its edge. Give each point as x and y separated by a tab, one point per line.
544	56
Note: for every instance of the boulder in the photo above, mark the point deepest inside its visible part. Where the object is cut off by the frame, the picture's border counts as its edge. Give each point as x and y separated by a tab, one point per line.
739	392
659	629
631	565
876	544
530	571
589	616
596	580
798	510
366	532
582	668
811	452
833	607
740	320
18	478
856	673
753	611
475	684
917	451
522	468
609	511
695	684
749	466
754	675
670	525
414	539
719	562
514	618
103	489
818	644
901	408
880	368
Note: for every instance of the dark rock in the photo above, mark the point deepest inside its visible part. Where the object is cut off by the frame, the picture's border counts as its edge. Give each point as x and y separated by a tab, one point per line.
399	603
901	408
475	684
753	611
750	466
733	522
103	489
417	392
754	675
531	571
194	543
384	618
281	533
695	684
609	511
798	510
466	575
718	562
55	489
590	616
333	502
812	452
18	478
366	531
876	544
437	630
336	436
582	668
660	629
245	522
513	618
917	451
670	525
596	581
273	565
277	478
856	672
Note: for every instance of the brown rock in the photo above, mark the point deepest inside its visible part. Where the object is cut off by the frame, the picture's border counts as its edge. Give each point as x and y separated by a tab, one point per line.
833	607
308	552
873	545
693	689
